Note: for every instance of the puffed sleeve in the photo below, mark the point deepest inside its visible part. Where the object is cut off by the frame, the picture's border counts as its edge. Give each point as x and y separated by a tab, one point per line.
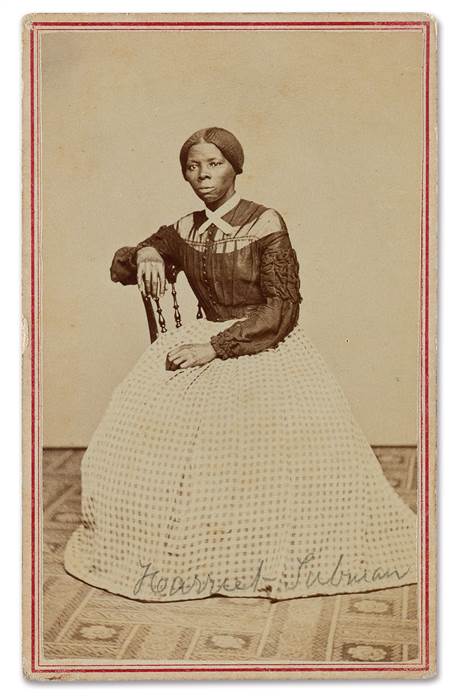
272	321
166	241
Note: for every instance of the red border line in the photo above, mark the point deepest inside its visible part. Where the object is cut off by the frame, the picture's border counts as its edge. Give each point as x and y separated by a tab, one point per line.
406	25
417	23
426	346
39	459
32	323
420	482
235	669
420	451
239	29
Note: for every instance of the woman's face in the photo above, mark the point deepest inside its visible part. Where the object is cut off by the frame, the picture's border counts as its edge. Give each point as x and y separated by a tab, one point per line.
210	175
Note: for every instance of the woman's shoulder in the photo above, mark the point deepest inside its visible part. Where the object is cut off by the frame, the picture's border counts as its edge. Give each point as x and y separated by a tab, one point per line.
263	220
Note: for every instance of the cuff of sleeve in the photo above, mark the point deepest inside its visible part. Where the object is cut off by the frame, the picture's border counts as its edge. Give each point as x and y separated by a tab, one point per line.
224	346
121	269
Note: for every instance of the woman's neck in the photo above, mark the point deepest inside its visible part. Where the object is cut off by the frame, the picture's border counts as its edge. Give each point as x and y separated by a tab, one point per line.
218	203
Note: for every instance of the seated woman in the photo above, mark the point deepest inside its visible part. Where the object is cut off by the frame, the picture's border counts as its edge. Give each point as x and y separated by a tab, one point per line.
242	471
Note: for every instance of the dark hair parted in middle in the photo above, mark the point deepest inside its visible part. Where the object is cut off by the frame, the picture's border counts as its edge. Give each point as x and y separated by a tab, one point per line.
223	139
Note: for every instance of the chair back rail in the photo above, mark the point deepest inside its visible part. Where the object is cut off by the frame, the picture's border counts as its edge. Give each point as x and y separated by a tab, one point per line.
121	270
151	320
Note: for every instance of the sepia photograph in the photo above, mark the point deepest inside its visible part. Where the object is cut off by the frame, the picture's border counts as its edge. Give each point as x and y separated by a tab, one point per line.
229	375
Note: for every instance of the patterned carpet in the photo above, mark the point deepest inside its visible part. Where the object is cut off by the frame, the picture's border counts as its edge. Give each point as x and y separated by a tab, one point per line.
84	622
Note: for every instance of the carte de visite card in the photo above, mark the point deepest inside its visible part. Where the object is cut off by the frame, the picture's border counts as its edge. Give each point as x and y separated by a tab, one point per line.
229	356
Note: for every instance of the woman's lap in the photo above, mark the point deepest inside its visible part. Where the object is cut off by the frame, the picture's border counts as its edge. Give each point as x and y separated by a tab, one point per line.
215	465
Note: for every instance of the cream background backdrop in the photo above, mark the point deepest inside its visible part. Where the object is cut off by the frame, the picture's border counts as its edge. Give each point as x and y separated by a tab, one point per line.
331	124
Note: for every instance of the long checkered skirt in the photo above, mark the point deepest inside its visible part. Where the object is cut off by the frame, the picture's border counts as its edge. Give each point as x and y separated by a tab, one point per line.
242	477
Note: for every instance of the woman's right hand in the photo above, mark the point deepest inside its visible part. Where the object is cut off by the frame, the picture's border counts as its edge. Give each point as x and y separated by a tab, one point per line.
151	276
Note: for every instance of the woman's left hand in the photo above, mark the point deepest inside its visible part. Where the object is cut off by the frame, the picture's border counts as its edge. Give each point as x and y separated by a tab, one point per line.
192	355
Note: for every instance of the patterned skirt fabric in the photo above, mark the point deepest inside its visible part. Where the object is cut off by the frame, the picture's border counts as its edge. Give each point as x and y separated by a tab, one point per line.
243	477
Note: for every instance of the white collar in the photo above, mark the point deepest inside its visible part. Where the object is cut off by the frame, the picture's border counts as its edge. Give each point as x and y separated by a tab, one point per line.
214	217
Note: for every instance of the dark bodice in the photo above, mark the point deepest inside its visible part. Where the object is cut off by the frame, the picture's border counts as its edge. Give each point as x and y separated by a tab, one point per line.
249	270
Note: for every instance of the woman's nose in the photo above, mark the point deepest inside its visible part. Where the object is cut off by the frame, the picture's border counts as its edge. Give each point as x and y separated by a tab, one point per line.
203	174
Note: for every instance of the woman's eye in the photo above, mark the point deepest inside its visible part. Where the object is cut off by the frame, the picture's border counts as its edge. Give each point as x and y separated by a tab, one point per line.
216	162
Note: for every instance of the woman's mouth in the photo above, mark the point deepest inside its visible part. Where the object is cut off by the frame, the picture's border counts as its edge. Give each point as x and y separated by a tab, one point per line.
205	188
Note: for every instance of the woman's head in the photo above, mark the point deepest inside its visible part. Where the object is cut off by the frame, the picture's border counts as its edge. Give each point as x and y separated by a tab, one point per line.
210	160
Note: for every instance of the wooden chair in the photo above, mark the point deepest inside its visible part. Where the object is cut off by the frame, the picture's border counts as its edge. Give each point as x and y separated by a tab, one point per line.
122	270
171	277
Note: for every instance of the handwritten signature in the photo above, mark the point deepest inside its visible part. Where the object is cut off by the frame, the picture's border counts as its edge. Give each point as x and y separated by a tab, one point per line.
169	586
